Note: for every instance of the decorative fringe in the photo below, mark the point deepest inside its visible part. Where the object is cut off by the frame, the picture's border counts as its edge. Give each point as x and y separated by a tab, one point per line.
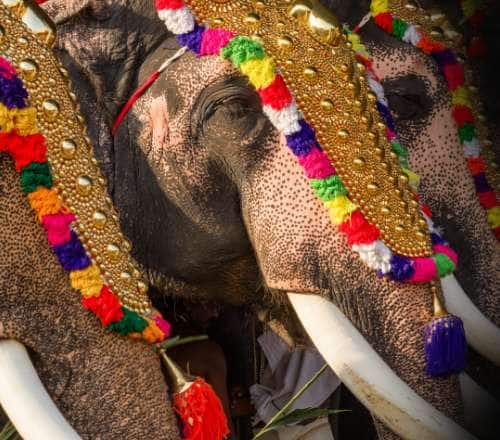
445	343
197	404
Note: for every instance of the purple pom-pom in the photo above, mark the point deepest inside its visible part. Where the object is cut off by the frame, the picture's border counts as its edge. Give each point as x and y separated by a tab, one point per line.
12	92
302	141
386	115
445	346
443	58
72	255
192	39
401	268
481	183
437	239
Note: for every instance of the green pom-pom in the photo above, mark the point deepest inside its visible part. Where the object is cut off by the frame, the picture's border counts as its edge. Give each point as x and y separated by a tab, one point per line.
130	323
444	265
401	151
329	188
241	49
34	175
399	28
466	133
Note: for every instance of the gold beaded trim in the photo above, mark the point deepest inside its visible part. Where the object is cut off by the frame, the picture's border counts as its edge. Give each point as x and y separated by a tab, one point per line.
318	65
77	176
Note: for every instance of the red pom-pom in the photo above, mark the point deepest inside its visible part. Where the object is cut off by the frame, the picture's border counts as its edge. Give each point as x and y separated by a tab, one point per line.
201	412
462	115
476	165
426	210
477	48
488	199
106	306
276	94
454	75
384	20
169	4
24	149
428	46
497	232
358	230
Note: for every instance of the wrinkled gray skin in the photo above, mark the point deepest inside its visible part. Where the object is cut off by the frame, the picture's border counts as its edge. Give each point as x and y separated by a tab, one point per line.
214	204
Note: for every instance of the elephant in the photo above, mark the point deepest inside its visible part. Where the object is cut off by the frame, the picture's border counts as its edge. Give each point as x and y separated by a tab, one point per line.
225	199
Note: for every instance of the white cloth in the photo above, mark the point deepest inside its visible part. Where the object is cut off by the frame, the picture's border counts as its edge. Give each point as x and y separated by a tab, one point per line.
287	372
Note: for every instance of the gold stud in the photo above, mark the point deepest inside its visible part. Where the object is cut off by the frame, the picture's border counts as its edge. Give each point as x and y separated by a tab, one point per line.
29	69
68	148
143	287
84	185
23	41
99	219
373	187
385	210
327	105
359	162
344	134
50	109
252	18
285	43
113	251
310	72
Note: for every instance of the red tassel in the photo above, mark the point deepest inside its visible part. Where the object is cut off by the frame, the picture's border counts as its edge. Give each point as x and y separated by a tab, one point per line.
201	412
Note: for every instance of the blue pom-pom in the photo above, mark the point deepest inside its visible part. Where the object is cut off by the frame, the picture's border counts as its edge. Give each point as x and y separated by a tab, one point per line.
72	255
445	346
192	39
401	268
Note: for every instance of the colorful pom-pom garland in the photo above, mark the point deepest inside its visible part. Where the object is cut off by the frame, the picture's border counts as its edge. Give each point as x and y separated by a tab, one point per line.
452	71
251	59
20	138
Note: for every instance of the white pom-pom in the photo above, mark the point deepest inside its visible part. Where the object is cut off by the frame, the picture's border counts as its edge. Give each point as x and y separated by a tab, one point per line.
178	21
472	148
377	89
412	35
285	120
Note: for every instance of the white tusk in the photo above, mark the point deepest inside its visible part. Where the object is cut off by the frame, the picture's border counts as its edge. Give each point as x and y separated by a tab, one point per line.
25	400
368	377
481	333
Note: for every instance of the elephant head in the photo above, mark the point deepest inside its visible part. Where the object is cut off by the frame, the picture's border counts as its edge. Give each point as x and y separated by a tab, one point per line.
213	203
95	378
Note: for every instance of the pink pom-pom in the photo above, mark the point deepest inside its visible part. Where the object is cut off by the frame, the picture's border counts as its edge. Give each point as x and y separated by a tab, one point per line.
214	40
390	134
169	4
163	325
6	69
450	253
425	270
316	164
57	227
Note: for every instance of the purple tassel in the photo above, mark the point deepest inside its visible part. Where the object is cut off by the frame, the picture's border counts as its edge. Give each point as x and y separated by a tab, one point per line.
401	268
192	39
445	346
72	255
302	141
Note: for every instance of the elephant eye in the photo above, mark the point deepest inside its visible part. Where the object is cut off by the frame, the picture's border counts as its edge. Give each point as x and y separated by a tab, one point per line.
228	111
408	97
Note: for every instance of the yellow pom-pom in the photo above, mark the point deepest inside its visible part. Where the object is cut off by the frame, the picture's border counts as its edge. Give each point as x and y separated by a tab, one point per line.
459	96
6	119
88	281
340	208
379	6
414	179
260	73
494	217
25	121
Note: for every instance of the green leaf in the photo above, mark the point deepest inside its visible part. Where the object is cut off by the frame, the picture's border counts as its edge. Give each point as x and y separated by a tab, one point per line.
301	415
